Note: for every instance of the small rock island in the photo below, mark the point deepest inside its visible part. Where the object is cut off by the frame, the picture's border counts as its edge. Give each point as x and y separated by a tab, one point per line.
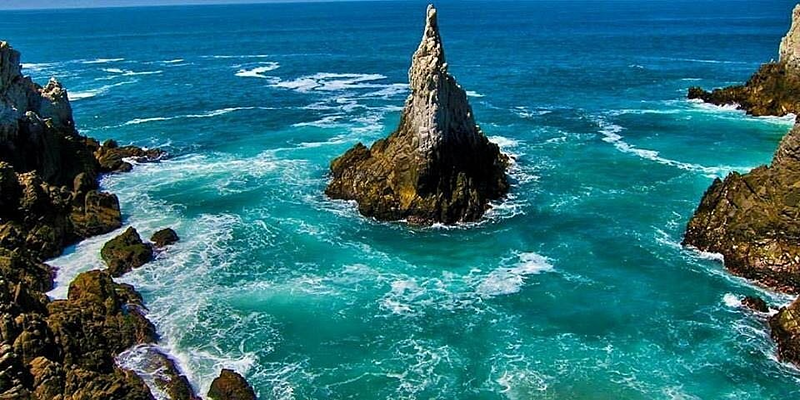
438	166
753	219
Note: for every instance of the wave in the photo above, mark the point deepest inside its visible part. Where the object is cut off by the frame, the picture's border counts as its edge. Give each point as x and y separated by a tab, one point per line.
525	113
87	94
471	93
227	57
508	280
102	61
35	67
258	72
611	134
700	60
325	81
125	72
207	114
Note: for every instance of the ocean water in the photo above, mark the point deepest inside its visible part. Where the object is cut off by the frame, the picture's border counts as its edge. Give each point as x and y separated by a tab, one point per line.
575	287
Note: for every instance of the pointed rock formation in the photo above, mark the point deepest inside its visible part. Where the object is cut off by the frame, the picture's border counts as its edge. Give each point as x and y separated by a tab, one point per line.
774	89
438	166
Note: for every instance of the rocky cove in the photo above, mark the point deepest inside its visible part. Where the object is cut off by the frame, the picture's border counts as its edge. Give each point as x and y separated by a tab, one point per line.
49	198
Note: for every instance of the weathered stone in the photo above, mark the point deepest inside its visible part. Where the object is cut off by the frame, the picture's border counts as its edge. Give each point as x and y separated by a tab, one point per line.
789	51
126	252
229	385
438	166
111	157
160	372
786	332
164	238
99	213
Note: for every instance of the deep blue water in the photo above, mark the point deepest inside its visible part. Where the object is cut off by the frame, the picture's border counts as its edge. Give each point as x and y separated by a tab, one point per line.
575	287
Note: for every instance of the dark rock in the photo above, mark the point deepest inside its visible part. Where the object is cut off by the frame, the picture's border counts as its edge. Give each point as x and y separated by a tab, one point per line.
161	372
111	157
755	303
126	252
752	220
786	332
438	166
164	238
99	320
97	214
229	385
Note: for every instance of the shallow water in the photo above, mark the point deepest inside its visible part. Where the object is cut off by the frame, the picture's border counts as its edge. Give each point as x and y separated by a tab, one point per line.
575	287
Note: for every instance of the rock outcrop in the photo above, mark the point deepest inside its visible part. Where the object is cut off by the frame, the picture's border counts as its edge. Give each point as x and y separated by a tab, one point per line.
786	332
752	220
774	89
164	237
230	386
438	166
49	198
126	252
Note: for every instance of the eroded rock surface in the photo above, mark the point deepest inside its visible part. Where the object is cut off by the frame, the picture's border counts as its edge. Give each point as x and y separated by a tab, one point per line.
126	252
786	332
229	385
164	237
438	166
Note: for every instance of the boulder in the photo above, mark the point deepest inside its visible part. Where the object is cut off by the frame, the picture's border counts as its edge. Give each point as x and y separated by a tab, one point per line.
164	238
229	385
438	166
755	303
126	252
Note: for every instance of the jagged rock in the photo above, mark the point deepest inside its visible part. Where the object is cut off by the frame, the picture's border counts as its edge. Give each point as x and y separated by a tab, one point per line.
164	238
112	157
118	384
97	214
774	89
755	303
438	166
752	220
161	372
48	378
786	332
99	320
126	252
229	385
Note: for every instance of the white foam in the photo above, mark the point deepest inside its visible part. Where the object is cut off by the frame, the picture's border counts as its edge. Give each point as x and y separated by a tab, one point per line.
102	60
258	72
325	81
731	300
508	280
504	142
471	93
36	66
86	94
225	57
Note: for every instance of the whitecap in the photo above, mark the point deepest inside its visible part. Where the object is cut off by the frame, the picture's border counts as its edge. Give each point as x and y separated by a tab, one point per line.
325	81
503	142
125	72
731	300
86	94
471	93
225	57
207	114
258	72
508	280
102	60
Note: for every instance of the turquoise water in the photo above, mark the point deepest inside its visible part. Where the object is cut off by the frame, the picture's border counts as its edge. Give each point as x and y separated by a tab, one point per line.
575	287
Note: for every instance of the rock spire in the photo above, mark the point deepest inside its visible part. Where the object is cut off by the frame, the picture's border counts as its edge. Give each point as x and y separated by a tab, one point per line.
438	166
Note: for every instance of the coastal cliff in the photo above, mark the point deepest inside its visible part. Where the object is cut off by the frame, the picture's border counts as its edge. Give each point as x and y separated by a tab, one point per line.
49	198
753	219
774	89
438	166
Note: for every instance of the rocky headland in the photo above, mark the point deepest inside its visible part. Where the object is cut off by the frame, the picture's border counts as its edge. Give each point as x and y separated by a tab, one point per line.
438	166
774	89
49	198
753	219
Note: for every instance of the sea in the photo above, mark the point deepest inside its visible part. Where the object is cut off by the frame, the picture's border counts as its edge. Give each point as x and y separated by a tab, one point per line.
575	286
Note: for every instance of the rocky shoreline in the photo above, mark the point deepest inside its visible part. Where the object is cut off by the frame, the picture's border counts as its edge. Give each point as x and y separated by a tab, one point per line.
49	199
438	166
753	219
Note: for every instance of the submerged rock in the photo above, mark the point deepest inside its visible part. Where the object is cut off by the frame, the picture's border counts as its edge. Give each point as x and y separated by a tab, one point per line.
755	303
774	89
164	238
126	252
438	166
229	385
786	332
